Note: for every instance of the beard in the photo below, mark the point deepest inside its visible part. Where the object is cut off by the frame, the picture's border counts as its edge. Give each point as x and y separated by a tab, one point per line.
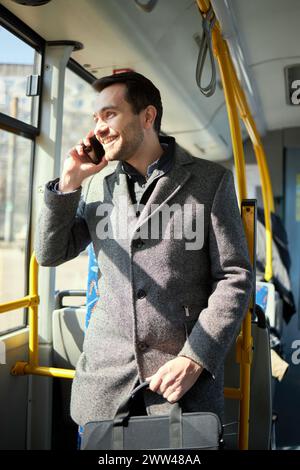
128	143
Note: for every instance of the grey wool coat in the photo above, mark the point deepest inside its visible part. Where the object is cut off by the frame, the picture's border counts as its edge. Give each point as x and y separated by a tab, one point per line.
158	299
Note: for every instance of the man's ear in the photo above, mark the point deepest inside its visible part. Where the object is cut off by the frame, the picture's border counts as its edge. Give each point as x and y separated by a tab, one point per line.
149	116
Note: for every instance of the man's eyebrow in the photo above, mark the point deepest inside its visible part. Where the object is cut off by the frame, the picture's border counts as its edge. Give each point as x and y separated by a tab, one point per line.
105	108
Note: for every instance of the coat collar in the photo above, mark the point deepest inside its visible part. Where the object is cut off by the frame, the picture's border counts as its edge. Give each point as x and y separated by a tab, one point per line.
167	186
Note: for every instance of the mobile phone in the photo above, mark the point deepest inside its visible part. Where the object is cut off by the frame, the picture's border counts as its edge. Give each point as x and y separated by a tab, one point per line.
98	149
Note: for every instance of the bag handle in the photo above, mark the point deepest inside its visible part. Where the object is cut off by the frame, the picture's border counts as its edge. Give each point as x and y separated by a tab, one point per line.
122	414
138	388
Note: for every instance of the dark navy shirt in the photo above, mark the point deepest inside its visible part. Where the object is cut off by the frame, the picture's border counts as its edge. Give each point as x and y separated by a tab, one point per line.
141	187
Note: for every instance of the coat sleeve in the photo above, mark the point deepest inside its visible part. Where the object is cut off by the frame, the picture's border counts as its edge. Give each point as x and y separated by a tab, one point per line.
232	282
62	232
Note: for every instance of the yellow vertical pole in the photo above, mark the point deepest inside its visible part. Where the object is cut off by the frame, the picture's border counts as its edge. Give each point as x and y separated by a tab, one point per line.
222	54
267	178
245	114
253	133
248	218
267	193
238	152
233	117
258	149
33	313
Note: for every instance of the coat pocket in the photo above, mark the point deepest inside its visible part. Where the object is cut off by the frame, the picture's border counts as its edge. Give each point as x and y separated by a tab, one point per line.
179	313
191	312
191	315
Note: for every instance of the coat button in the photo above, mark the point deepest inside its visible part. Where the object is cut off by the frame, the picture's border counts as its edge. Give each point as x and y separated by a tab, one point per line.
142	346
138	243
141	294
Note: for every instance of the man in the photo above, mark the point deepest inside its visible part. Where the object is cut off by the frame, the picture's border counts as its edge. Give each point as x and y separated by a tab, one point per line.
170	303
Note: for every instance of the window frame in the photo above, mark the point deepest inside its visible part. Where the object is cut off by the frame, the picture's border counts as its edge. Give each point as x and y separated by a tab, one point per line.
19	29
9	124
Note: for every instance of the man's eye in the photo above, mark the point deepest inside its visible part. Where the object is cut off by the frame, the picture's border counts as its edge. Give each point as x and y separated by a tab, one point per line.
110	114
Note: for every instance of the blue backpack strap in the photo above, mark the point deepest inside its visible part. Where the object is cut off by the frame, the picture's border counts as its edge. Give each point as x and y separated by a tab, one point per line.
261	296
92	296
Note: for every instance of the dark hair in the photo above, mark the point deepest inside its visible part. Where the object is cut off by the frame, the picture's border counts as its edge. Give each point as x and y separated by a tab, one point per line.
140	92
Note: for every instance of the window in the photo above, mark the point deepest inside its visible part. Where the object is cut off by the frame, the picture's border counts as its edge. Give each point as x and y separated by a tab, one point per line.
253	182
77	121
78	109
17	61
15	155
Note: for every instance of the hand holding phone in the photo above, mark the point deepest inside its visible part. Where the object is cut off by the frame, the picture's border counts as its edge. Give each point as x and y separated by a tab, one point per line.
95	150
76	168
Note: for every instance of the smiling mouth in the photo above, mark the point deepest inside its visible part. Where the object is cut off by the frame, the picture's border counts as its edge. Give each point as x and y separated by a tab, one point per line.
109	141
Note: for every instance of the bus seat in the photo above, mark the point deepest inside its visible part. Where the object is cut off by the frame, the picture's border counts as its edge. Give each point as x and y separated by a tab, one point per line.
70	323
260	394
68	334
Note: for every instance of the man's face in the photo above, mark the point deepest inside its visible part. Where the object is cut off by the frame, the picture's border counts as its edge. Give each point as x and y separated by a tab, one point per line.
117	128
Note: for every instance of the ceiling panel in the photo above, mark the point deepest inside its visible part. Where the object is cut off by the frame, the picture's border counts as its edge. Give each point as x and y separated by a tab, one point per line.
159	45
271	36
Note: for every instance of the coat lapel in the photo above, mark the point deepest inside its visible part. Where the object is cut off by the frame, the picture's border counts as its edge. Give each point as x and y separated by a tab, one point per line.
120	196
165	189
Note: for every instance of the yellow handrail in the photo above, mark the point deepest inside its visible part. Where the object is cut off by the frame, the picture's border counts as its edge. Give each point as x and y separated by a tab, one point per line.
33	314
225	62
23	368
15	304
221	54
267	193
32	301
244	341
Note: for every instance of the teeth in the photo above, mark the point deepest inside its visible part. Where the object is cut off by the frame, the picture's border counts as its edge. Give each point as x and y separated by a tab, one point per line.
108	141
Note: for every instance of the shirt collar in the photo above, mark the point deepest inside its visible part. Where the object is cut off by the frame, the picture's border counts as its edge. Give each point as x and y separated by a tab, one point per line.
162	164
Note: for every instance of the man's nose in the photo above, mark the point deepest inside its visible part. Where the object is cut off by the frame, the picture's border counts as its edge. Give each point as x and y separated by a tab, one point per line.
101	129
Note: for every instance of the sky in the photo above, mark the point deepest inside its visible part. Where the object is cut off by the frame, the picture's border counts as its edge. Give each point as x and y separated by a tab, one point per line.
13	50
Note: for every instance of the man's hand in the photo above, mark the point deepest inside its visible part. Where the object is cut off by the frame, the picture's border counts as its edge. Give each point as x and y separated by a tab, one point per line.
175	378
78	166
